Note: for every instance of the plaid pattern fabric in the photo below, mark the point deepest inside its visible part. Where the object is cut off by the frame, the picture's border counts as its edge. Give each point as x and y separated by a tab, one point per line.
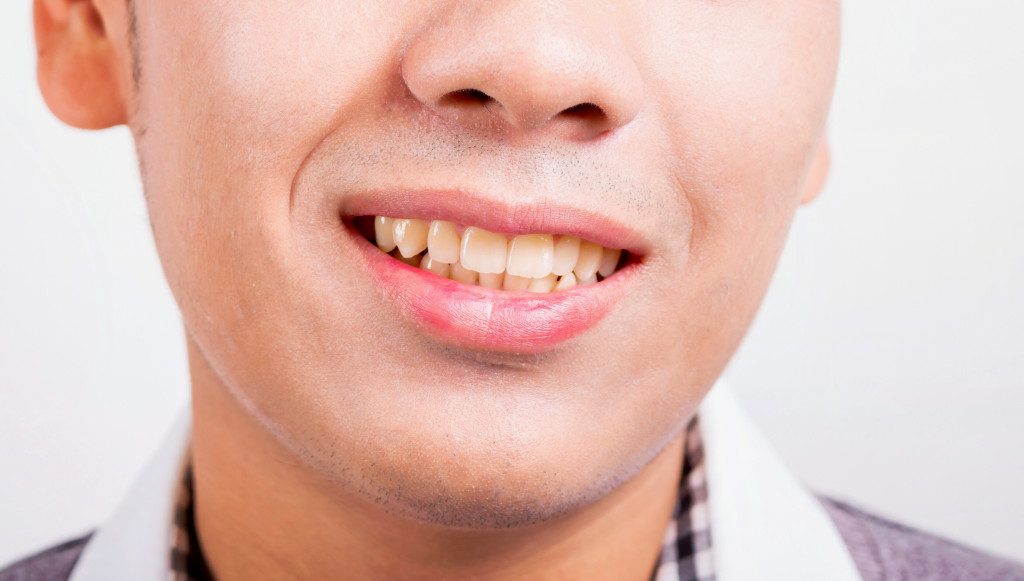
685	550
187	563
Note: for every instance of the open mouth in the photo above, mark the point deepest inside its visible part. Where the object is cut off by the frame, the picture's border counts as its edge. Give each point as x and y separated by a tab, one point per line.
538	263
487	275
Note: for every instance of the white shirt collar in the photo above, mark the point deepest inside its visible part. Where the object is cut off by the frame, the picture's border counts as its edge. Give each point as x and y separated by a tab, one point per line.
765	525
135	543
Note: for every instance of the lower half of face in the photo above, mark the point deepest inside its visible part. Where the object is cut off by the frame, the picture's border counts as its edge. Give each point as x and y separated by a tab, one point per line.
478	272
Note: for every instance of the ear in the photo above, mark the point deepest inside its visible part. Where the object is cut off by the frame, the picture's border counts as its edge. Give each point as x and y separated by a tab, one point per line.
818	173
78	70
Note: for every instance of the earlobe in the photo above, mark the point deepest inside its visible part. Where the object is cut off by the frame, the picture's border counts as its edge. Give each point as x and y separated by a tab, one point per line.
78	69
818	174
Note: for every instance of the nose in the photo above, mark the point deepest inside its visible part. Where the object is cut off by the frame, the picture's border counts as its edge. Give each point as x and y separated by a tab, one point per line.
534	66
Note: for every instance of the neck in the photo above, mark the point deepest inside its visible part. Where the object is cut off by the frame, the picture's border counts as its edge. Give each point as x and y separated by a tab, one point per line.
261	513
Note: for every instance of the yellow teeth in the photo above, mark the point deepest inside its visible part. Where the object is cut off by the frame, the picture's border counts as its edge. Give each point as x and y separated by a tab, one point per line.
410	260
443	242
543	285
462	274
483	251
434	266
566	252
537	263
588	261
517	283
530	256
609	260
491	280
566	282
383	228
410	237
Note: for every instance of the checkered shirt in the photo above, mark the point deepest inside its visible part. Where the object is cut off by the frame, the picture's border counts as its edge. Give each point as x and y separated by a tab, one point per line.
685	549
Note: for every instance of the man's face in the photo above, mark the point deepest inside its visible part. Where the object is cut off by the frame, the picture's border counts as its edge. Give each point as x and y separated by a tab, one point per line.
681	131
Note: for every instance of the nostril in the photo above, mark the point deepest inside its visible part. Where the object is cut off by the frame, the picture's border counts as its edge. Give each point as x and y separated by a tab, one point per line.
584	112
466	97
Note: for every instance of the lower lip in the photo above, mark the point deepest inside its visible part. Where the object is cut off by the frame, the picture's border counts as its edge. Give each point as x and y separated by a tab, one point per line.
476	317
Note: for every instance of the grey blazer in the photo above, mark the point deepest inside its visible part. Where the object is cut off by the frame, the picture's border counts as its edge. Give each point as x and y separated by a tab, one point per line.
883	551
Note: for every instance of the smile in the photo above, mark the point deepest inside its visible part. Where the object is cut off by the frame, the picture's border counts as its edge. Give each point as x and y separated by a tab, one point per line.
537	263
502	284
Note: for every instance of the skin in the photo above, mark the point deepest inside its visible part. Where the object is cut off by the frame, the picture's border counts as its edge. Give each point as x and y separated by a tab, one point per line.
702	126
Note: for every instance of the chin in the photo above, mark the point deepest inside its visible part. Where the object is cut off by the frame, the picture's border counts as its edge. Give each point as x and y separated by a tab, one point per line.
481	479
488	499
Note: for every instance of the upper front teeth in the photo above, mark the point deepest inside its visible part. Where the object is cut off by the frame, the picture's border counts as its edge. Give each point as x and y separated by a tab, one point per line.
483	251
534	262
531	255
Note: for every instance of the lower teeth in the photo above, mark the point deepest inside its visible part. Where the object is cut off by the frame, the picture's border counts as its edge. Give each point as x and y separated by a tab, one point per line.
505	281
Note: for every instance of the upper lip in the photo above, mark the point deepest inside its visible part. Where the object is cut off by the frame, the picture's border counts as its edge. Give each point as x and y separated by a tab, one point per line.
511	218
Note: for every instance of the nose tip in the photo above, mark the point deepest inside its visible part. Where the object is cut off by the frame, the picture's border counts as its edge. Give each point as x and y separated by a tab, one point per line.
532	71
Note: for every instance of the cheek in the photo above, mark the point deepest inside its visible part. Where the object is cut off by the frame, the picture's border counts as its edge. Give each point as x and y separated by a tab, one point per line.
235	89
233	100
745	94
267	72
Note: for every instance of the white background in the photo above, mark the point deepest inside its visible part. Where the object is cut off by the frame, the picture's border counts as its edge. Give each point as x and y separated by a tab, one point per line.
886	364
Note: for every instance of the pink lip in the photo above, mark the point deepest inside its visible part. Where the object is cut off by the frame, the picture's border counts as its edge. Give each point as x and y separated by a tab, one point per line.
511	219
475	317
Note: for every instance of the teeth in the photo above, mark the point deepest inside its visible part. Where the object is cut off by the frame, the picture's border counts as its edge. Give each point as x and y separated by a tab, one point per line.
609	260
443	242
517	283
491	279
539	263
410	260
459	273
410	237
566	282
530	255
588	262
483	251
438	268
567	250
383	229
543	285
